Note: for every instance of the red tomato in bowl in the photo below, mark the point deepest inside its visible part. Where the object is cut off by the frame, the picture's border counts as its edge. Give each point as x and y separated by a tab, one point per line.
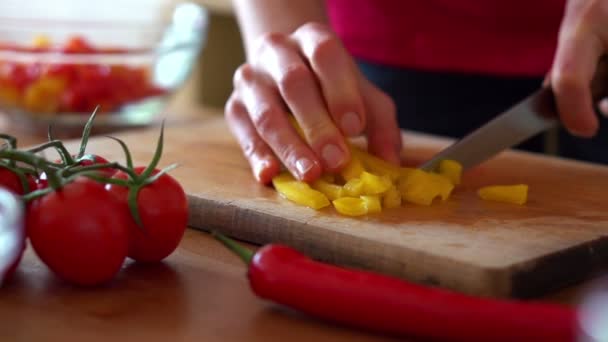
163	208
81	232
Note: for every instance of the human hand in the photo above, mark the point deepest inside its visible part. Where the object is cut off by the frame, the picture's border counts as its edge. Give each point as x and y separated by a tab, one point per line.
577	76
307	73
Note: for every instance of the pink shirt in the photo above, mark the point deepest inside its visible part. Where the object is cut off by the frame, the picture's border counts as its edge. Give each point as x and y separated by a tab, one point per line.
499	37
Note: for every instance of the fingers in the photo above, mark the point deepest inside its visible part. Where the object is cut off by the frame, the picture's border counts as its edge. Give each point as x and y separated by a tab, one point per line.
337	76
297	85
603	107
260	157
266	128
576	58
383	133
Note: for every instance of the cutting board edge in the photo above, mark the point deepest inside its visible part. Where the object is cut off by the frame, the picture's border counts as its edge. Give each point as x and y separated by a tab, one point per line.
546	273
261	228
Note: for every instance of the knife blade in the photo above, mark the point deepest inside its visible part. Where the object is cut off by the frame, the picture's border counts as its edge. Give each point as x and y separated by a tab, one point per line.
534	114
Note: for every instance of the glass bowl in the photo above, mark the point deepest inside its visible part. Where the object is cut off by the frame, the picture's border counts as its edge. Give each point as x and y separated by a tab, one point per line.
61	60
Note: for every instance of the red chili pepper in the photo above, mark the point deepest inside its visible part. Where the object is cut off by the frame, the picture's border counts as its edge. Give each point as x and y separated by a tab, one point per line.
394	306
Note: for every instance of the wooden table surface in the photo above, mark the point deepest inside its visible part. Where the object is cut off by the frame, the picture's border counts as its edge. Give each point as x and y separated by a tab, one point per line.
199	294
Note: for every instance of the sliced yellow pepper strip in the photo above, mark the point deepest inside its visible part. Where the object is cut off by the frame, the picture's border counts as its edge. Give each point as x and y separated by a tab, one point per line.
332	191
517	194
422	187
354	187
353	169
350	206
299	192
374	185
391	198
376	165
372	203
451	169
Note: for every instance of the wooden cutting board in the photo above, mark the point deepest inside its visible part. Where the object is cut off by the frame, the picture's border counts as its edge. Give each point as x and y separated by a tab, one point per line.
465	244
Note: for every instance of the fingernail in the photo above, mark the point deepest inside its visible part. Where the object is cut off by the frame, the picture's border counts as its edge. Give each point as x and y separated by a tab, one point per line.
260	167
332	156
603	107
303	165
351	125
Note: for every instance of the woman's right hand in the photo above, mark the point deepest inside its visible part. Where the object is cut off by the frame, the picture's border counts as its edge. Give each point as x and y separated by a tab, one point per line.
309	74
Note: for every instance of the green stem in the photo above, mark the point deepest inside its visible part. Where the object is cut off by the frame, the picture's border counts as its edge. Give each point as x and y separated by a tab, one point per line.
12	141
58	145
245	254
35	194
33	160
157	154
86	133
114	165
132	202
129	159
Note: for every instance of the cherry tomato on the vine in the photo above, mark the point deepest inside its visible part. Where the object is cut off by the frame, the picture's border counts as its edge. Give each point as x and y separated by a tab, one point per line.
80	231
163	208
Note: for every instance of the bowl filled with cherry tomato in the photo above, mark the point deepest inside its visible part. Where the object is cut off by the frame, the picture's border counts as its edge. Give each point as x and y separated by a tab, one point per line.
58	66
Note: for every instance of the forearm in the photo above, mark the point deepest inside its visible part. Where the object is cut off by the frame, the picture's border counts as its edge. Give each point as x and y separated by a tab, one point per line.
257	17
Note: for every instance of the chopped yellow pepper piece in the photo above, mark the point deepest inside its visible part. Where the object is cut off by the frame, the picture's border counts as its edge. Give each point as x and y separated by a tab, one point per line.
374	185
354	187
353	169
391	198
517	194
377	165
299	192
332	191
350	206
451	169
422	187
372	203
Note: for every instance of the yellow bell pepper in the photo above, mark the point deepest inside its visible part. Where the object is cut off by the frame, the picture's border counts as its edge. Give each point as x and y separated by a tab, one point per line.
299	192
422	188
374	185
517	194
451	169
350	206
377	165
9	95
41	41
354	187
391	198
372	203
332	191
353	169
44	95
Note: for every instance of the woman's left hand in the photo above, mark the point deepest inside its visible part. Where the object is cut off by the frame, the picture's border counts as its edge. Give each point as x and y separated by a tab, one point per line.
583	39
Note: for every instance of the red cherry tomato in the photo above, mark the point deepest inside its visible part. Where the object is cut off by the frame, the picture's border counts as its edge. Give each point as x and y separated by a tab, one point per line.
9	180
78	44
163	208
81	232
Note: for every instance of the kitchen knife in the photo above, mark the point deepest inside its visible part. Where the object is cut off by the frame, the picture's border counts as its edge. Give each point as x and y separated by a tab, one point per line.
535	114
